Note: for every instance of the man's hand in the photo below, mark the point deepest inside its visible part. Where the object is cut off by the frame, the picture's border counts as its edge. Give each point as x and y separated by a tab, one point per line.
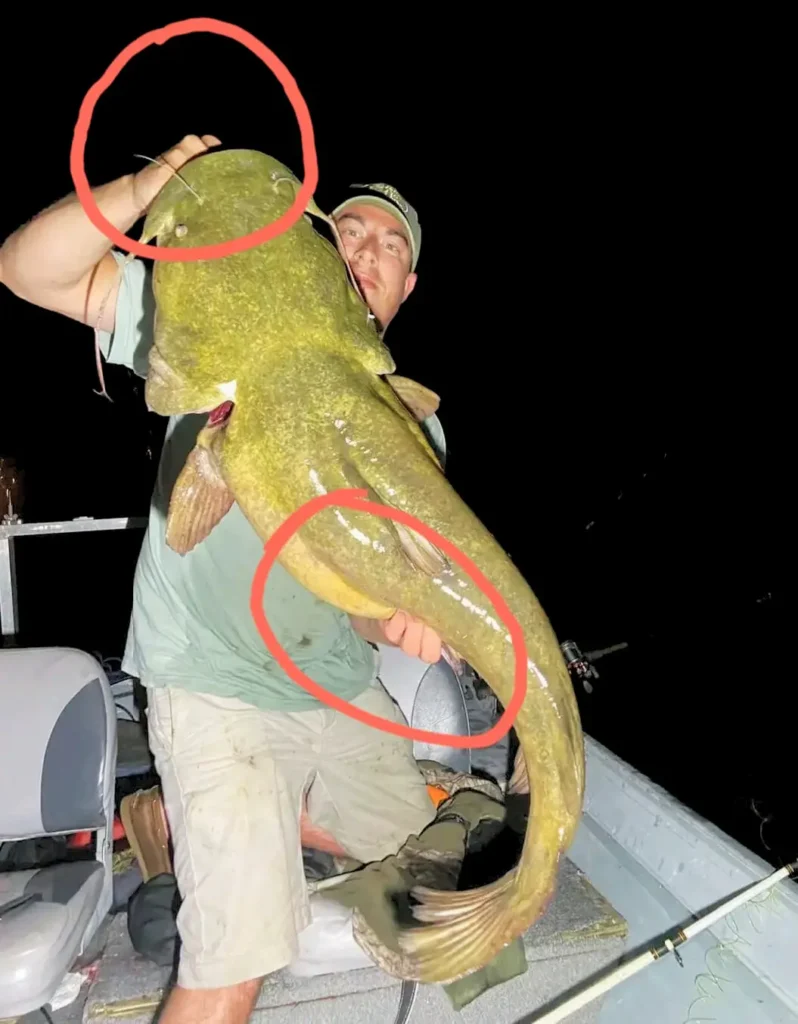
403	631
149	181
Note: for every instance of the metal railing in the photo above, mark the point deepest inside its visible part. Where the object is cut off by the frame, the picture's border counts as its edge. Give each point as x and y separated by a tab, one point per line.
9	533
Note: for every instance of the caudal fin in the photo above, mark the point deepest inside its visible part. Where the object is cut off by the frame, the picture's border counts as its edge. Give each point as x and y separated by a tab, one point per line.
519	780
464	931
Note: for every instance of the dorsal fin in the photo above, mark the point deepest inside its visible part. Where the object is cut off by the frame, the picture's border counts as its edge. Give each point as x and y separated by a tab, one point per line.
419	400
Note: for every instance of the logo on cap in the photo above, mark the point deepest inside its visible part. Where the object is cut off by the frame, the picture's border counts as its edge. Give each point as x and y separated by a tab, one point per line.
391	193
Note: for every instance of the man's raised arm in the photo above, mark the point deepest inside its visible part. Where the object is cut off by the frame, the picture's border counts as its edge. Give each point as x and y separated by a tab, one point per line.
60	261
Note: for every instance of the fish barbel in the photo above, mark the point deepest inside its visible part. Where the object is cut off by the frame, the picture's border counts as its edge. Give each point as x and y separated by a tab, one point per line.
277	345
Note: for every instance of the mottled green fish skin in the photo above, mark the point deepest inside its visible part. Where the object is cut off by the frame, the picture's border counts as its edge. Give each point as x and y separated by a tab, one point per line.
313	414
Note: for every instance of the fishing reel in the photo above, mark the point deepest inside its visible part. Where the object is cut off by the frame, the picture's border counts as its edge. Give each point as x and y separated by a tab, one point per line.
578	663
582	664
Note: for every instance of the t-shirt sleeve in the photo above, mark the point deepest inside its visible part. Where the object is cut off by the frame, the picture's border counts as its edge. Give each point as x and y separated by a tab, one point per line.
129	342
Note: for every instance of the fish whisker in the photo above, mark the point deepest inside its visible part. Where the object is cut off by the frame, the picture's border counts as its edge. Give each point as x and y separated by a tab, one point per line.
177	174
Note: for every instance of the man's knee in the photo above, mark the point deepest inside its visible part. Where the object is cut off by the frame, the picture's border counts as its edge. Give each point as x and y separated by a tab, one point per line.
232	1004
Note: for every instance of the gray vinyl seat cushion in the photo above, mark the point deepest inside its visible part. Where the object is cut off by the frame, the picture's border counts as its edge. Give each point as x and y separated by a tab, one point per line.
431	698
58	747
39	940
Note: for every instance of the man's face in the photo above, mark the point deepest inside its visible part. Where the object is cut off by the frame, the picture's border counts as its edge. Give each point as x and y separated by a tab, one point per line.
378	249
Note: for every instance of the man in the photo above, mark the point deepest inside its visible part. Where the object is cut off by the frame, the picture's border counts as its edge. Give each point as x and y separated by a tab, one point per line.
238	746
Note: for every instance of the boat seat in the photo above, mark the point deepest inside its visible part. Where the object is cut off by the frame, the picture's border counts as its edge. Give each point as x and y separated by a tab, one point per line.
430	697
57	767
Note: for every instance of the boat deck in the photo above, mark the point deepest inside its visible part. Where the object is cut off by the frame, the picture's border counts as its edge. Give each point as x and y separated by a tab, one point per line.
580	934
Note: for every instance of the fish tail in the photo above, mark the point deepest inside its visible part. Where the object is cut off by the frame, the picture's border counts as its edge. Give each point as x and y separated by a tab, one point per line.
462	931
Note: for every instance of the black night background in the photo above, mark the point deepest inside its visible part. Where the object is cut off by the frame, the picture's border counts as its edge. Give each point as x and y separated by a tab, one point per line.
594	308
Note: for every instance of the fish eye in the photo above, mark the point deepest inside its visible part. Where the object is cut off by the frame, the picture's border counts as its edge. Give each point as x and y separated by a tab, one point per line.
181	230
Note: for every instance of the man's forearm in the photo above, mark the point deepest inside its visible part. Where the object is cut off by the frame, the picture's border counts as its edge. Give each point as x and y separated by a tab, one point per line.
58	248
51	260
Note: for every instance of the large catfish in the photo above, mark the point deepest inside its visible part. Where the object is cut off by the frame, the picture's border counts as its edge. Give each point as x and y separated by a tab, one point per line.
276	344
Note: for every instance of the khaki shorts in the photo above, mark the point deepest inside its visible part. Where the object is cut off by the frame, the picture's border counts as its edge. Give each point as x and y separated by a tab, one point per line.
233	779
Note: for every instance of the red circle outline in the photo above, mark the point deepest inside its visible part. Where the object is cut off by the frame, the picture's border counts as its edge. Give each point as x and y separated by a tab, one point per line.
356	499
160	36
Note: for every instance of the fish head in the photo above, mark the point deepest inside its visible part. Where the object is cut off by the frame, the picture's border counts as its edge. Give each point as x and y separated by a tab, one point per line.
216	192
207	311
219	321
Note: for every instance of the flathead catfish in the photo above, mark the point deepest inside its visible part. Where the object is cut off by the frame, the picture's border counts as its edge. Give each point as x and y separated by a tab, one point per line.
278	346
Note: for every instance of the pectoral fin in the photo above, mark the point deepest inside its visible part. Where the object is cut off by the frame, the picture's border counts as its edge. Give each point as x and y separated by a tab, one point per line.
200	498
419	400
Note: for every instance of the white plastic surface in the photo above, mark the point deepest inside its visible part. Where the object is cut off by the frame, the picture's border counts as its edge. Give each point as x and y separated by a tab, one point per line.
327	945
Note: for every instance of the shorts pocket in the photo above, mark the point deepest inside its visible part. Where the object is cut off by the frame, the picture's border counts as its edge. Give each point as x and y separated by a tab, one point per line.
160	721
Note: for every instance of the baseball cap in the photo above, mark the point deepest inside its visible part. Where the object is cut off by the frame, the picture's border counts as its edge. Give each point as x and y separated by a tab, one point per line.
390	199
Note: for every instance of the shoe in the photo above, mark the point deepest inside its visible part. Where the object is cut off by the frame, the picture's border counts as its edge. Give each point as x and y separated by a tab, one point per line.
147	830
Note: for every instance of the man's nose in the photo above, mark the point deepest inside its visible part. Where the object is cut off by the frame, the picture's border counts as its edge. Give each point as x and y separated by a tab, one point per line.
367	252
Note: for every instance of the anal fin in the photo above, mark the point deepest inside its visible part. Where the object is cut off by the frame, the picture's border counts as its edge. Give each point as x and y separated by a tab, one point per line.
420	552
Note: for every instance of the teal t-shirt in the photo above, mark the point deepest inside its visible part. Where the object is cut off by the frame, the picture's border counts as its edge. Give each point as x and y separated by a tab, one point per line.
191	624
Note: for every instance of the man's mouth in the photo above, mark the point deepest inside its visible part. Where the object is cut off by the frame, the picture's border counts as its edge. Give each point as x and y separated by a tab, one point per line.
365	281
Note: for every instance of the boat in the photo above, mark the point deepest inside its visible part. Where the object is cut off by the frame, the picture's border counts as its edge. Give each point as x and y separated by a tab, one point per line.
642	873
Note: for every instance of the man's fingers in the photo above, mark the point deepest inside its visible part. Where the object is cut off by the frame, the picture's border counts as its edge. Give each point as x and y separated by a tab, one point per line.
431	646
411	641
188	147
194	144
413	637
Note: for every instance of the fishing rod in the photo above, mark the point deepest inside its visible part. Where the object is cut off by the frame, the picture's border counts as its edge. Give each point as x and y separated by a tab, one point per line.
668	945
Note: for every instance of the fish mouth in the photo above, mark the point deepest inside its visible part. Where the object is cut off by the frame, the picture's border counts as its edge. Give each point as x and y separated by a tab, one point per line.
160	370
218	400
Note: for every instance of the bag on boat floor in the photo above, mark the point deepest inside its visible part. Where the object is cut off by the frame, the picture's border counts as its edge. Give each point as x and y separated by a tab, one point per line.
152	920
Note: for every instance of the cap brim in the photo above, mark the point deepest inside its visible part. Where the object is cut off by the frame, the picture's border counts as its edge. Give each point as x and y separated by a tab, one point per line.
392	209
